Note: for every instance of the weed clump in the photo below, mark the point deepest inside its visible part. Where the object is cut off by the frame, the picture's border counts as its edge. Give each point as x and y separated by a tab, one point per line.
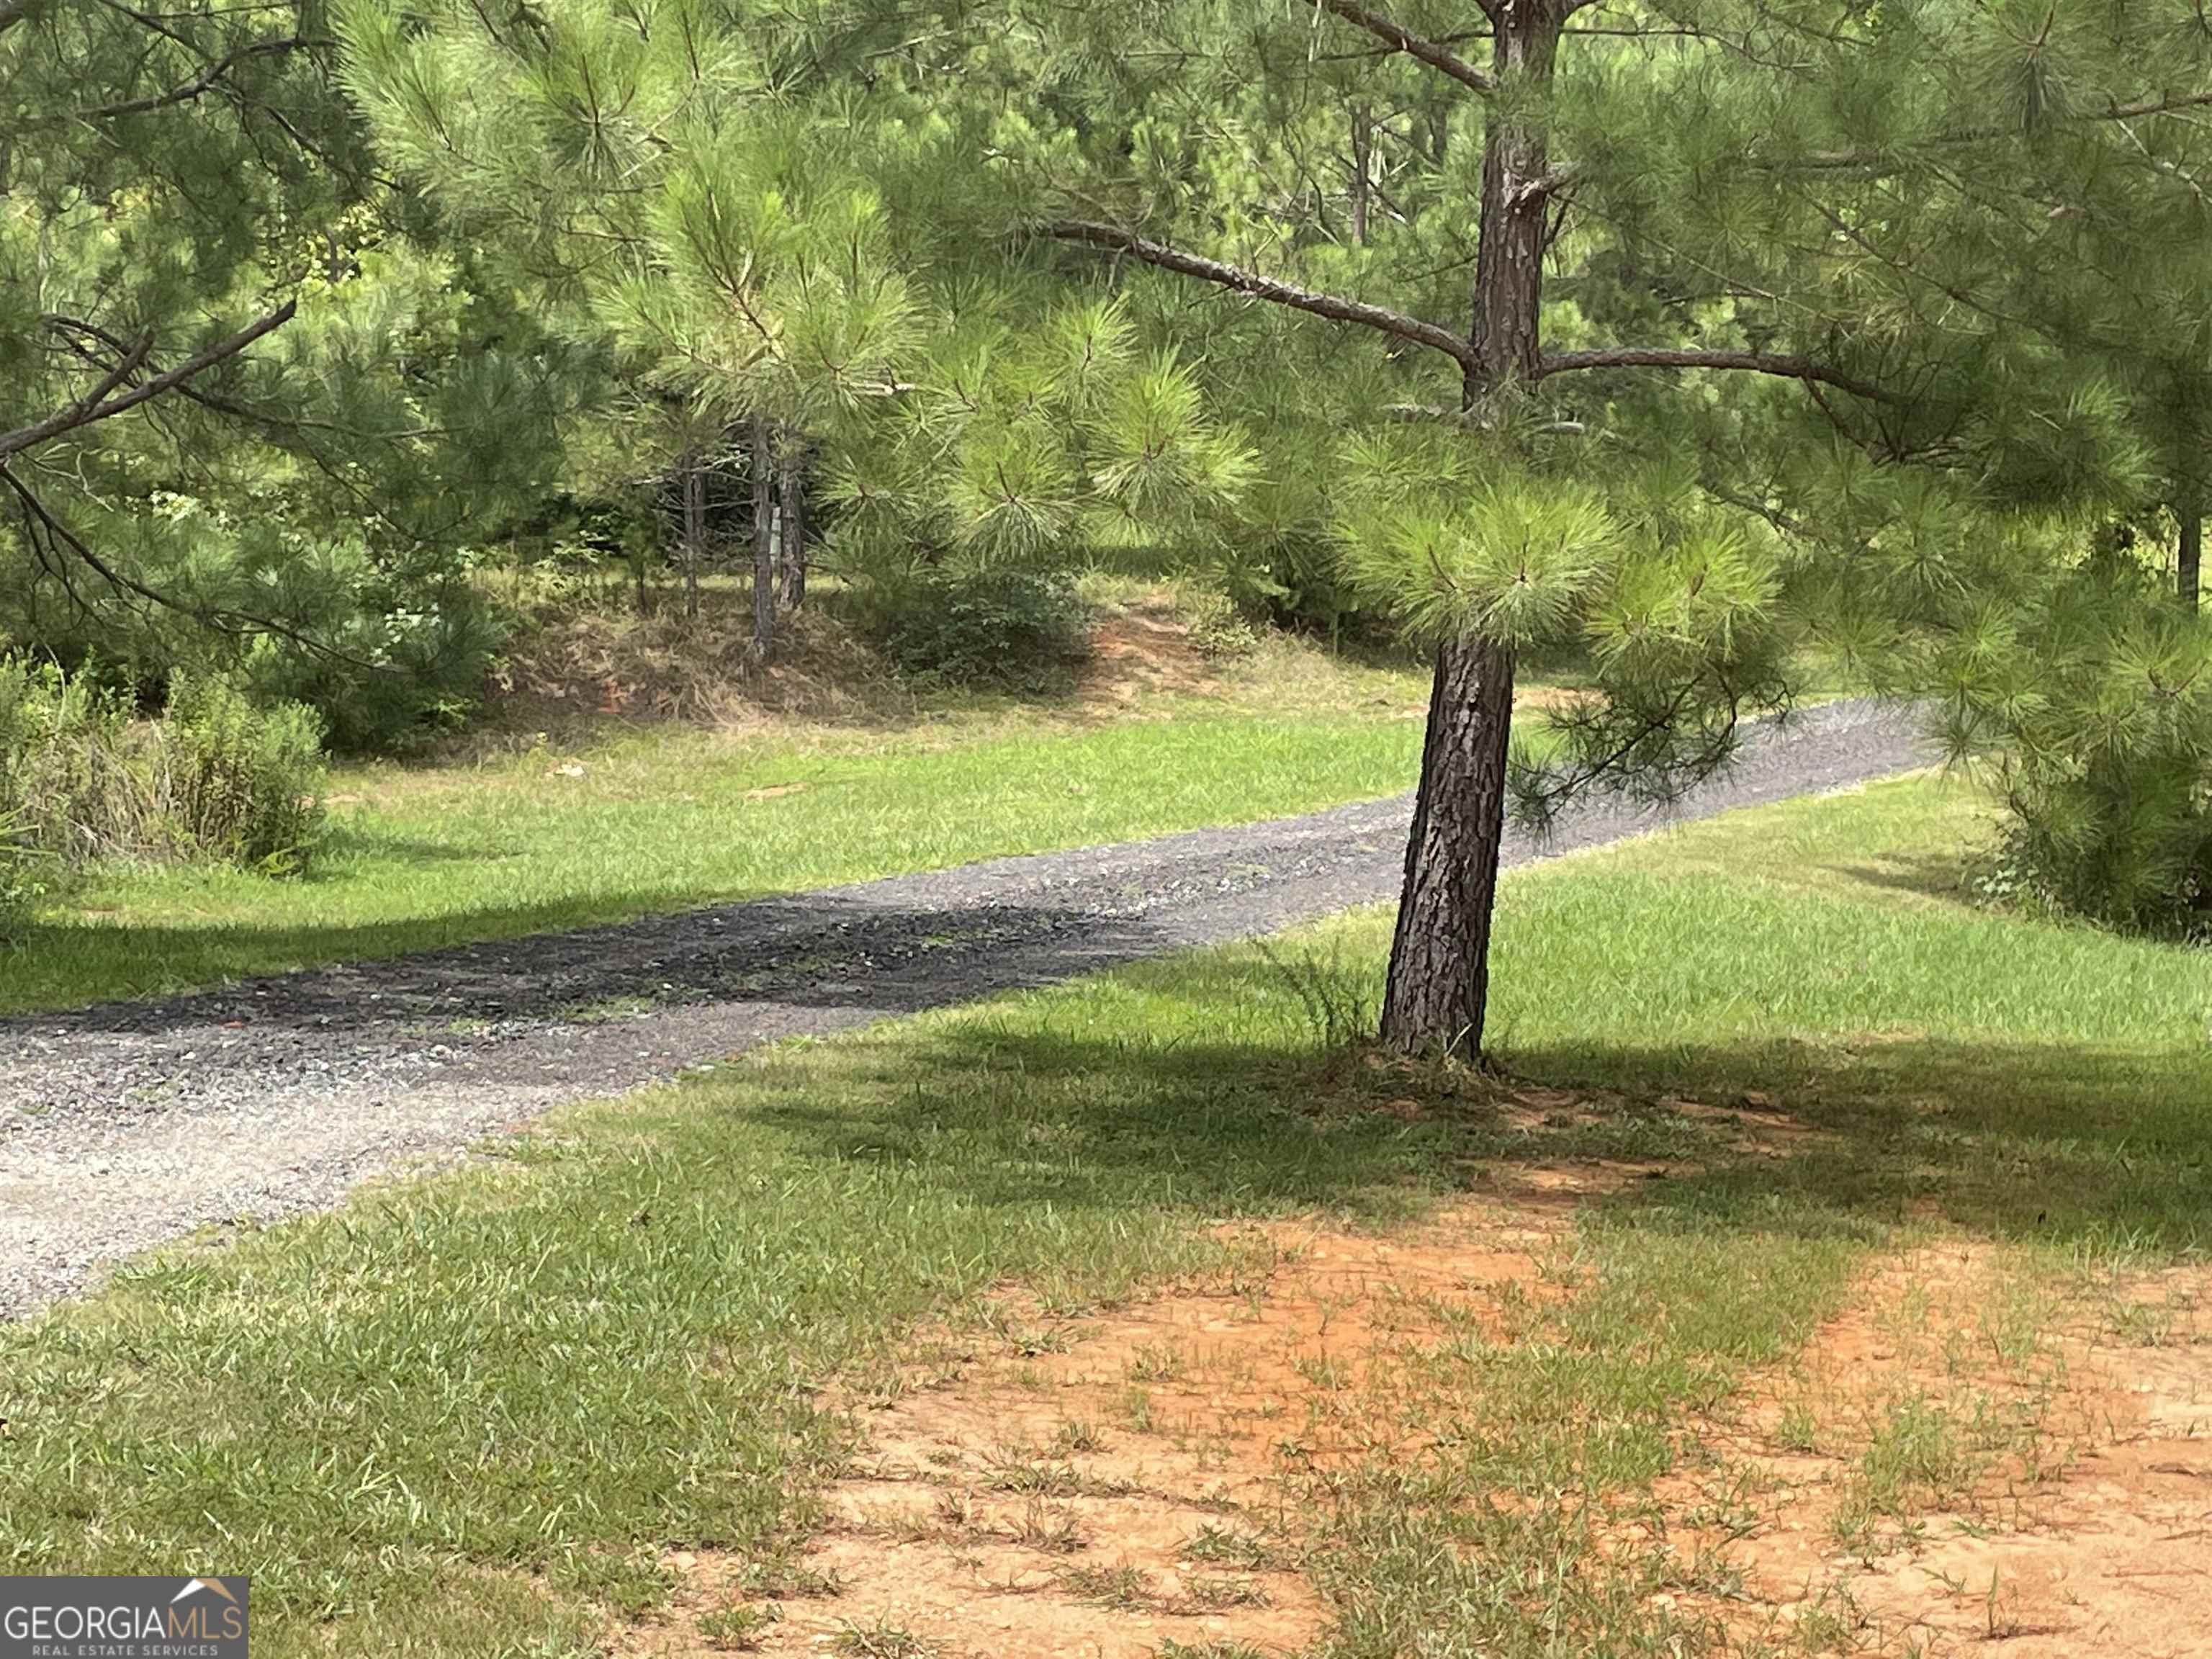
83	780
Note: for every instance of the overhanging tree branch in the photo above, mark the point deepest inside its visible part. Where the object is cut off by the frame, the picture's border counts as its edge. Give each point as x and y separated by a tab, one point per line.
1436	56
1753	362
1333	307
199	85
43	526
99	405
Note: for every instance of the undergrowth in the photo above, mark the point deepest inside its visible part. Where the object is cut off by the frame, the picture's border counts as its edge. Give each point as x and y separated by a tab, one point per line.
84	781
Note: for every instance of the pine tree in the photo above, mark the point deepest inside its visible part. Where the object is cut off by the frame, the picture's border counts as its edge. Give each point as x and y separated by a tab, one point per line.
253	422
1683	338
151	177
1652	277
759	228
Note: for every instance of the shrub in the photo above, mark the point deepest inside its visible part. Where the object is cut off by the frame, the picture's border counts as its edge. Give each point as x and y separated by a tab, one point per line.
242	783
1006	626
66	791
2123	838
26	876
1219	632
2100	731
81	780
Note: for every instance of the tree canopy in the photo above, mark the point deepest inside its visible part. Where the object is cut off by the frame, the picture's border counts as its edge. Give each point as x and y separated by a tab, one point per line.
1715	343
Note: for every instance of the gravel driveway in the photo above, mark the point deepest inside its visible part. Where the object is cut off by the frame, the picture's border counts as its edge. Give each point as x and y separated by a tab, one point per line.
128	1124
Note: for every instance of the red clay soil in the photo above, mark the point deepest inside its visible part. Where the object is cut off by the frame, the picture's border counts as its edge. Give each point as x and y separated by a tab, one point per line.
1137	652
1118	1484
2071	1511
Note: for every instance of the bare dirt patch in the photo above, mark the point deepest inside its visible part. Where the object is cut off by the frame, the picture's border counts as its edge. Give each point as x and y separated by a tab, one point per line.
1142	652
1972	1459
1120	1484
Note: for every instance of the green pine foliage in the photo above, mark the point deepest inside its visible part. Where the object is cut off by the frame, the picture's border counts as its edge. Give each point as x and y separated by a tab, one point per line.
303	513
1860	332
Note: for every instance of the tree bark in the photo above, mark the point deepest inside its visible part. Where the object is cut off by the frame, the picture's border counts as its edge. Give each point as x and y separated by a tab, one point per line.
1363	141
1509	268
791	493
764	473
1440	955
694	529
1439	983
2189	565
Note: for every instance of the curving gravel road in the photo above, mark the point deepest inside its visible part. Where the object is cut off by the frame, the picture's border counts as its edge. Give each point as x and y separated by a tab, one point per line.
128	1124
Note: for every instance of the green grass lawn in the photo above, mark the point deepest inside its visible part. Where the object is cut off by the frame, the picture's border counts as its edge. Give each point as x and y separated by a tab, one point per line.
667	817
469	1414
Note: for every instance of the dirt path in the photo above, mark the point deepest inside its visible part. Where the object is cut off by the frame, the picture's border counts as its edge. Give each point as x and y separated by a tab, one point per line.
129	1124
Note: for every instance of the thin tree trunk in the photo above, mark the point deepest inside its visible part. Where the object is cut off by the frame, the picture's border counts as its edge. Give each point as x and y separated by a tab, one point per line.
1440	956
792	490
694	529
763	472
1439	982
1509	262
2189	566
1363	140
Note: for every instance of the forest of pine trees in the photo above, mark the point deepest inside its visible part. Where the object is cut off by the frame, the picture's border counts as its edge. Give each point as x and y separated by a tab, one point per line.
1725	348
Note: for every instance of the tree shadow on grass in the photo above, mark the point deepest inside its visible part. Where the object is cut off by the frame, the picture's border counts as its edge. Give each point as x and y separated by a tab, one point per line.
1931	876
2092	1148
2068	1144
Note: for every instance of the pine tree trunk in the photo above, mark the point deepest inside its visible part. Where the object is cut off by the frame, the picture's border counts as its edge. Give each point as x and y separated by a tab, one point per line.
1363	140
1440	955
792	491
763	472
694	529
1439	982
2188	575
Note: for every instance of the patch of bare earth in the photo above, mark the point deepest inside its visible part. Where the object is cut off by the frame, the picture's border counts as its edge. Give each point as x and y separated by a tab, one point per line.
1117	1484
1140	652
1970	1461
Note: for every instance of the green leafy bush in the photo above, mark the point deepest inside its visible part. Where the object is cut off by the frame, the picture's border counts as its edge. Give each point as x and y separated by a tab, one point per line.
26	876
1007	627
1220	631
82	780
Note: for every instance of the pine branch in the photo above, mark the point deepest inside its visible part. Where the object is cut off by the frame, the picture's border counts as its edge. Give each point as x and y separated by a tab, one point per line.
1753	362
198	87
41	521
1435	56
1841	160
13	12
1420	331
99	405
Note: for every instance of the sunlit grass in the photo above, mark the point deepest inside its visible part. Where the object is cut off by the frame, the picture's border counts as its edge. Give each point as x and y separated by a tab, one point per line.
671	817
467	1415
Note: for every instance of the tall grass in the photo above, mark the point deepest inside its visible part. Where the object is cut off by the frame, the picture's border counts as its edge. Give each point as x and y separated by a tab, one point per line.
83	781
